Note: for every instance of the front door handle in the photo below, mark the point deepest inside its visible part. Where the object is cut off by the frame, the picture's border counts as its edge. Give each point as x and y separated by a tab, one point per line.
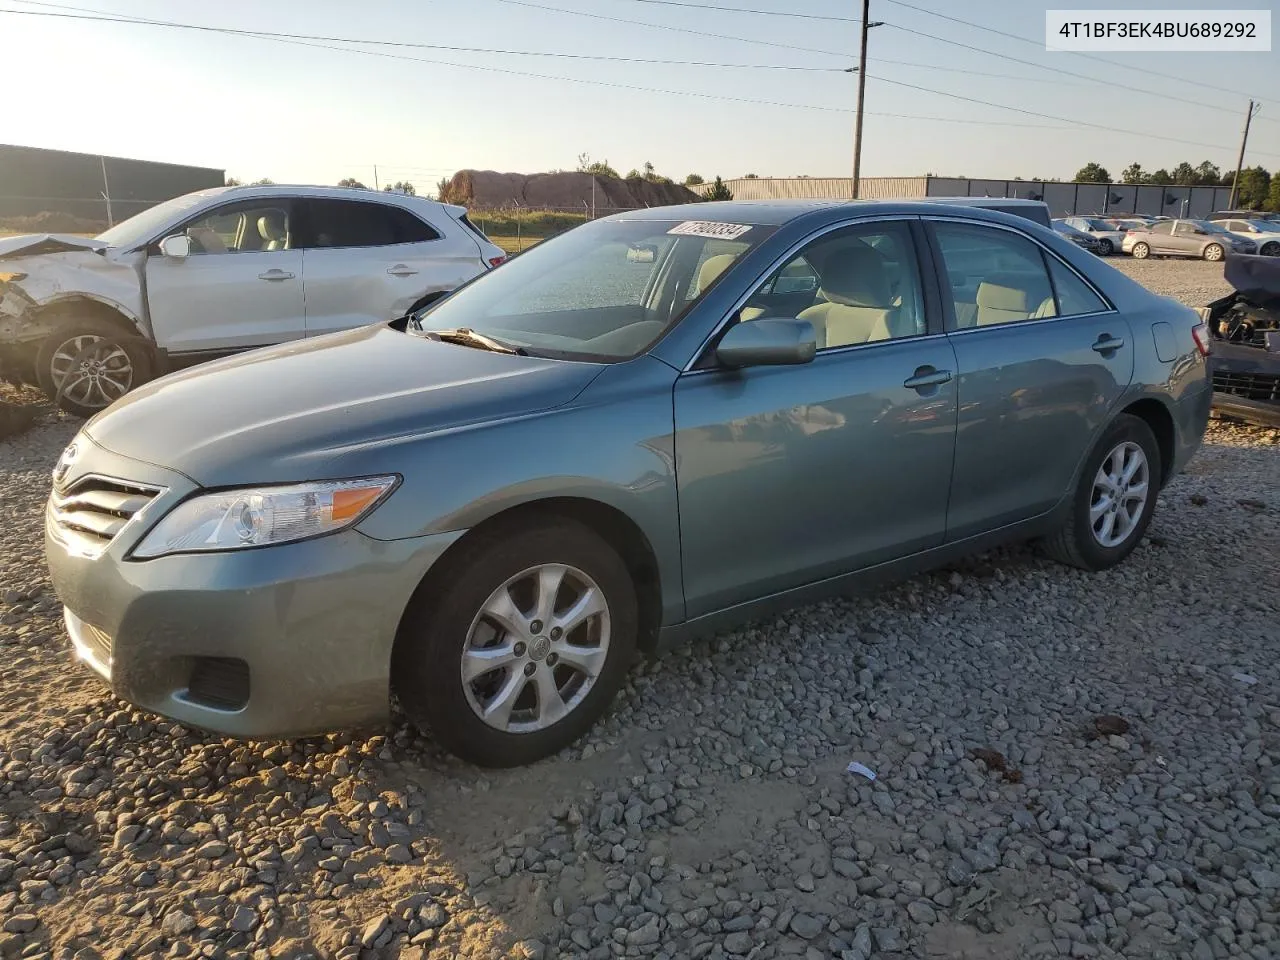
401	270
1106	343
275	274
926	377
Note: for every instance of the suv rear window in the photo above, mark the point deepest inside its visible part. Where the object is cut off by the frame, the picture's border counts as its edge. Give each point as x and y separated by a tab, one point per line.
355	223
466	222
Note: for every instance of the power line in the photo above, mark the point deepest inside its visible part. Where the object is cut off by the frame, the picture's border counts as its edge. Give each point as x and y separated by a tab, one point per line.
762	13
106	18
675	29
1037	43
294	40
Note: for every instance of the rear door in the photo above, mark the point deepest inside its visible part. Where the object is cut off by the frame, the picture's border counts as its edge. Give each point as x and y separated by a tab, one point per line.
369	262
1161	238
1041	359
240	287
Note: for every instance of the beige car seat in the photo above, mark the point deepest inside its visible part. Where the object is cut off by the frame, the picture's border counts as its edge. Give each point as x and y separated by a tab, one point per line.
855	284
274	233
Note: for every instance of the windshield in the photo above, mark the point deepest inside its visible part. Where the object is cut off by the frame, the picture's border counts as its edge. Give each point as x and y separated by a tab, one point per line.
142	226
602	291
1210	226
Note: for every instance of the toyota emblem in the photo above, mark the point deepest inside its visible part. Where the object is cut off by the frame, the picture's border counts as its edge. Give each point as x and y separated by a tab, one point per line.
64	465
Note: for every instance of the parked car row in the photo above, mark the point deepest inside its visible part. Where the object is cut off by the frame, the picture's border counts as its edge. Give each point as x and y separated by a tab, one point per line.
1214	238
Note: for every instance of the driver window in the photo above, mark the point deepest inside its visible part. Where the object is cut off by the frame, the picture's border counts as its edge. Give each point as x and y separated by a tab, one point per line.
857	285
257	227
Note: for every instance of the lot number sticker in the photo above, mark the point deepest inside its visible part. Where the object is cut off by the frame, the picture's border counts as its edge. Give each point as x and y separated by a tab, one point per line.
707	228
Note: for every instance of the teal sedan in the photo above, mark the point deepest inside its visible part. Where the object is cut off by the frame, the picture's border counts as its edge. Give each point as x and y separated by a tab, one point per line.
658	424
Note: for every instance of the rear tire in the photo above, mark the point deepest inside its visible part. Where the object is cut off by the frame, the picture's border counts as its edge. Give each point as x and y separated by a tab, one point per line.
458	628
1141	251
1105	247
1270	250
98	360
1087	538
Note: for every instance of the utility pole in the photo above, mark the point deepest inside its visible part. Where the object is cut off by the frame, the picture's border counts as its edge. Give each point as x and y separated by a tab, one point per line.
862	86
375	177
106	192
1235	183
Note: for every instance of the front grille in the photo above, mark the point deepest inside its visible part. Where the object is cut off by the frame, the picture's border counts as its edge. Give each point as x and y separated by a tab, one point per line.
96	508
1251	386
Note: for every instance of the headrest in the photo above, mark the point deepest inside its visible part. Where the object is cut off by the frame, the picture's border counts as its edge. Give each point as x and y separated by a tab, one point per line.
1001	294
857	277
713	267
271	227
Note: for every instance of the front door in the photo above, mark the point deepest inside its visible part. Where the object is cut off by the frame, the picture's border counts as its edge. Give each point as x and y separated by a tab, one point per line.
241	286
789	475
1042	359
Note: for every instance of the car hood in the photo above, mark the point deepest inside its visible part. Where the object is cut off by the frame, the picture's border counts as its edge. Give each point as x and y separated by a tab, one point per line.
35	244
338	405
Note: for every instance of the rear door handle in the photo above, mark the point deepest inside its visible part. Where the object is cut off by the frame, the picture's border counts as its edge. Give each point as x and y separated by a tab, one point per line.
401	270
925	377
1107	343
275	274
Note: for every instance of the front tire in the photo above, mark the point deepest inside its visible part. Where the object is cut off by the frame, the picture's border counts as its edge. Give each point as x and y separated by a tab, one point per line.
522	646
1141	251
1213	252
87	364
1113	501
1270	250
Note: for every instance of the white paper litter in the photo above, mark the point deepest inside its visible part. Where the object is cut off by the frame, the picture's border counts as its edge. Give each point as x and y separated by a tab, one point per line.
1244	678
861	770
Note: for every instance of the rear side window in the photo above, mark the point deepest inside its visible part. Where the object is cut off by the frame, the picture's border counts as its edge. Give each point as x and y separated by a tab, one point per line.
1164	226
353	223
1074	295
996	276
466	222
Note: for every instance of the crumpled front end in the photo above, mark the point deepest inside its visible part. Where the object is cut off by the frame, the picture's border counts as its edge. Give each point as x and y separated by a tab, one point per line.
1245	326
20	331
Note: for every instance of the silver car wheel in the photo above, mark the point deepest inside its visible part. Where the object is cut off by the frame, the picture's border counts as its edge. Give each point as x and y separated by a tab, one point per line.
91	371
1120	491
1213	253
536	648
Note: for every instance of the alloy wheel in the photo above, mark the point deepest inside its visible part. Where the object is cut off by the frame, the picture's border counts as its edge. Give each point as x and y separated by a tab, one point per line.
536	648
1213	253
1120	490
91	371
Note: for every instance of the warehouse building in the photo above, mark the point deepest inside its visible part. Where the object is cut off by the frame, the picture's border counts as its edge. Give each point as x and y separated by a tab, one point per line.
1064	199
89	186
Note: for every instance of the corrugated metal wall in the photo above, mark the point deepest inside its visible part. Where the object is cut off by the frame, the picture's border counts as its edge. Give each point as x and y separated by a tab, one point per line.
1064	199
34	181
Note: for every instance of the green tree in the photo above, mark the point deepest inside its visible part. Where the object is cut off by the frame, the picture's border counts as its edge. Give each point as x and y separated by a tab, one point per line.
233	182
352	182
1161	176
1092	173
599	168
1208	173
719	191
693	180
1273	195
751	176
401	186
1134	173
1184	174
1255	185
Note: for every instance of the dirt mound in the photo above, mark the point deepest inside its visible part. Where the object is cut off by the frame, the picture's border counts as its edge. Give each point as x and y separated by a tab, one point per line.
51	221
488	189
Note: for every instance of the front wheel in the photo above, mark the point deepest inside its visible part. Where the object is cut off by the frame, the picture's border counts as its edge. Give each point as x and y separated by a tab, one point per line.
1113	500
1270	250
522	647
86	365
1213	252
1141	251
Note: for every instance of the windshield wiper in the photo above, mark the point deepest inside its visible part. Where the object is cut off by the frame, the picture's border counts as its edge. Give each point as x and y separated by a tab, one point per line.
469	338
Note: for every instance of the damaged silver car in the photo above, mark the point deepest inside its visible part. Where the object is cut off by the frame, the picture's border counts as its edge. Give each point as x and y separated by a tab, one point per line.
217	272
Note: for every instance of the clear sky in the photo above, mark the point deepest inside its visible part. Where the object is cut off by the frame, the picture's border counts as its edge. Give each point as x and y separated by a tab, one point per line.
311	113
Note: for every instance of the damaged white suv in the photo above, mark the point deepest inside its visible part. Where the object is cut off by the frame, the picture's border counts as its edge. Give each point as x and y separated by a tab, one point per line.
217	272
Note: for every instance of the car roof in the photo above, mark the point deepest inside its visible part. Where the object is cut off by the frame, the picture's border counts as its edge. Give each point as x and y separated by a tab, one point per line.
338	193
776	213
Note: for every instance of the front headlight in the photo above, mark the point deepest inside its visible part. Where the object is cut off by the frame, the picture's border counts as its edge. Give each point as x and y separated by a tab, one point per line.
262	516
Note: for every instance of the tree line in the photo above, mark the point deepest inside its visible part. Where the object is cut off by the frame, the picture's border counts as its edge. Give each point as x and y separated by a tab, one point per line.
1259	190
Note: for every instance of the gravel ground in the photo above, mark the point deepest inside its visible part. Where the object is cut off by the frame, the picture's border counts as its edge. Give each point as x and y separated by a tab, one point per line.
1067	765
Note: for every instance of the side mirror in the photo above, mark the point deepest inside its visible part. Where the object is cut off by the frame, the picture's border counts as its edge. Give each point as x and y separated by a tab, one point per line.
178	246
767	342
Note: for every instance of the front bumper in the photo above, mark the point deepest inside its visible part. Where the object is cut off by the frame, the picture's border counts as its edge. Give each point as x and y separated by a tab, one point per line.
283	641
1246	382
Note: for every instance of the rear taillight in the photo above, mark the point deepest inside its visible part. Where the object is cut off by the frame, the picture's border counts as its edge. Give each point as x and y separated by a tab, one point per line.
496	261
1200	333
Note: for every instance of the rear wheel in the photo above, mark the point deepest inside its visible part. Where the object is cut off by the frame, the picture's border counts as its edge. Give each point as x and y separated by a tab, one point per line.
1213	252
1105	247
1114	499
522	647
1270	250
87	364
1141	251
